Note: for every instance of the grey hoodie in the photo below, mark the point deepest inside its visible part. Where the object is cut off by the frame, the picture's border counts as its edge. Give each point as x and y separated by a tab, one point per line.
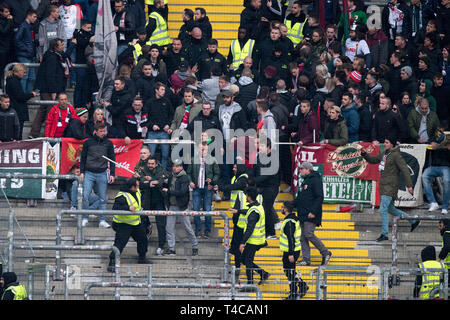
49	31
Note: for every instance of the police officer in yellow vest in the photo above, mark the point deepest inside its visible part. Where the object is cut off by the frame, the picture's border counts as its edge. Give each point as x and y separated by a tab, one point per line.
156	26
290	246
444	255
12	290
254	237
126	226
295	22
164	11
431	273
240	48
135	47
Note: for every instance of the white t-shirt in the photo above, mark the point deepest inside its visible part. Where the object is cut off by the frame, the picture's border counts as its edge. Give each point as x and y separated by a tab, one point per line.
71	17
352	48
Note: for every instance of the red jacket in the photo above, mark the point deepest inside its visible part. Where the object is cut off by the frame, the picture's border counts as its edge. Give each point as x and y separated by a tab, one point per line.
306	128
51	125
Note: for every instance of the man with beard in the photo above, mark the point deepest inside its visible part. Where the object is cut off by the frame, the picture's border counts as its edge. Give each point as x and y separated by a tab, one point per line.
295	22
356	44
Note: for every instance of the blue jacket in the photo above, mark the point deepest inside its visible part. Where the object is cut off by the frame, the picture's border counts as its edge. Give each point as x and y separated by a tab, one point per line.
351	116
24	42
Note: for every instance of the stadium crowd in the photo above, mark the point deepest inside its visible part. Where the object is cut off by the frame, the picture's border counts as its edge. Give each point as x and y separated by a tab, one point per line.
316	71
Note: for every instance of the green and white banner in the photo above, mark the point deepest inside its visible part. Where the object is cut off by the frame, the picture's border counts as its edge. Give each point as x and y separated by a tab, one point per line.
29	157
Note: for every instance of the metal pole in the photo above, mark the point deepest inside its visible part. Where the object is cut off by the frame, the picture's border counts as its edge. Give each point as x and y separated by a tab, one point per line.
233	282
47	284
66	289
149	281
395	241
11	240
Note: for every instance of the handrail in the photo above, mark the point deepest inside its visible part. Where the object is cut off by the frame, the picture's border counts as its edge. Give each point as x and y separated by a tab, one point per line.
395	231
145	213
82	248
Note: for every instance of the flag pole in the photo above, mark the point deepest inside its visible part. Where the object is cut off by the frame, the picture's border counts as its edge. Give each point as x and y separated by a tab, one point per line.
119	165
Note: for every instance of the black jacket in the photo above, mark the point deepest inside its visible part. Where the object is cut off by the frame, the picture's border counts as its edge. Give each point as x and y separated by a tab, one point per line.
120	102
210	122
120	203
9	125
6	34
50	75
128	30
247	93
252	220
153	197
145	87
18	97
263	180
130	123
309	199
251	20
205	26
181	190
173	60
386	123
196	50
208	60
160	113
76	129
365	123
82	38
91	155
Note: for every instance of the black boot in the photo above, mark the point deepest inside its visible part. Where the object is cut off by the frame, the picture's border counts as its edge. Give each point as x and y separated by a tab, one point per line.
143	260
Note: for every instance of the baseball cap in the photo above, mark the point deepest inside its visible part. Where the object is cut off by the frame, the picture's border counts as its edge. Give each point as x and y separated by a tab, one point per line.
306	165
227	93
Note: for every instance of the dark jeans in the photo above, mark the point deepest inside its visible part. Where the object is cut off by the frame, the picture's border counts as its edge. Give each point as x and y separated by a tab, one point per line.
80	96
248	255
234	247
286	160
289	270
123	233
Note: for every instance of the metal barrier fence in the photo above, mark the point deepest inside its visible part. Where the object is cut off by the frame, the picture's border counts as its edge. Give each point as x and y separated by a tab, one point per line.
395	231
79	213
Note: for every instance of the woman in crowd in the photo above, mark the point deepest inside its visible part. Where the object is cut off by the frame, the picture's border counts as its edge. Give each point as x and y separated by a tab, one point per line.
335	129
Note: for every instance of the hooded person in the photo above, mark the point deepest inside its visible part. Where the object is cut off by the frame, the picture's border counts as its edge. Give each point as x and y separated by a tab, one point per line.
428	280
424	91
12	290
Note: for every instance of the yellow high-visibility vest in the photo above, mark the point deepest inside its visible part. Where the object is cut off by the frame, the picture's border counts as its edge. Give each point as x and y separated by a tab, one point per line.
239	54
258	236
244	205
152	2
131	219
234	193
430	279
160	35
295	32
447	258
137	52
20	293
284	243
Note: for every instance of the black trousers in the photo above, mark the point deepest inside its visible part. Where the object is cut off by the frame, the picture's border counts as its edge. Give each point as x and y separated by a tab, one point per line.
234	246
123	233
248	255
289	270
269	195
161	226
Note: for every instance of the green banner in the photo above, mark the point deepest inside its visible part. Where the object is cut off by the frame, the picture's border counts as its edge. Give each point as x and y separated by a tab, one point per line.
347	190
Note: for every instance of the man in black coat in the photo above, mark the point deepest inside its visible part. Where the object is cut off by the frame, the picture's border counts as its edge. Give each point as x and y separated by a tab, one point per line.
124	24
252	20
386	122
188	25
121	100
211	58
207	118
134	123
309	200
51	80
202	21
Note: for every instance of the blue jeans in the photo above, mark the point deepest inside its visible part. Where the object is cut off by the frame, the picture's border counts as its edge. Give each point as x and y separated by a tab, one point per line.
387	206
28	81
94	200
433	172
165	148
99	183
202	198
121	48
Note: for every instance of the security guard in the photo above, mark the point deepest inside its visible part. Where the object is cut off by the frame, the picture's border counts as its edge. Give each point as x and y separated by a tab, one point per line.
12	290
254	237
126	226
295	23
151	7
428	280
156	26
290	246
240	48
444	255
135	47
237	180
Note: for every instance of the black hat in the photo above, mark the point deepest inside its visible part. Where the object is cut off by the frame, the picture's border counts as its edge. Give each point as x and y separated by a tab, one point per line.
289	205
9	277
141	30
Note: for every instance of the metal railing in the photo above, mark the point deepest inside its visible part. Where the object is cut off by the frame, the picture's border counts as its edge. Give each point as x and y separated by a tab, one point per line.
58	248
395	231
223	215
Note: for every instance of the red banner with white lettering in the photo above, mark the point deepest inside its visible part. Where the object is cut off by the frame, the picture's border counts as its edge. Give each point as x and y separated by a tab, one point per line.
126	155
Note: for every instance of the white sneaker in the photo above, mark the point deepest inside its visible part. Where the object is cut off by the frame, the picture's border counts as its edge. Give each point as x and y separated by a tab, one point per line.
159	251
84	222
433	206
277	226
104	224
444	211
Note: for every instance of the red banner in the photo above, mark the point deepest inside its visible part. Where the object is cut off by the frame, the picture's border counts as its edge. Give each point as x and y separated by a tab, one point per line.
126	155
